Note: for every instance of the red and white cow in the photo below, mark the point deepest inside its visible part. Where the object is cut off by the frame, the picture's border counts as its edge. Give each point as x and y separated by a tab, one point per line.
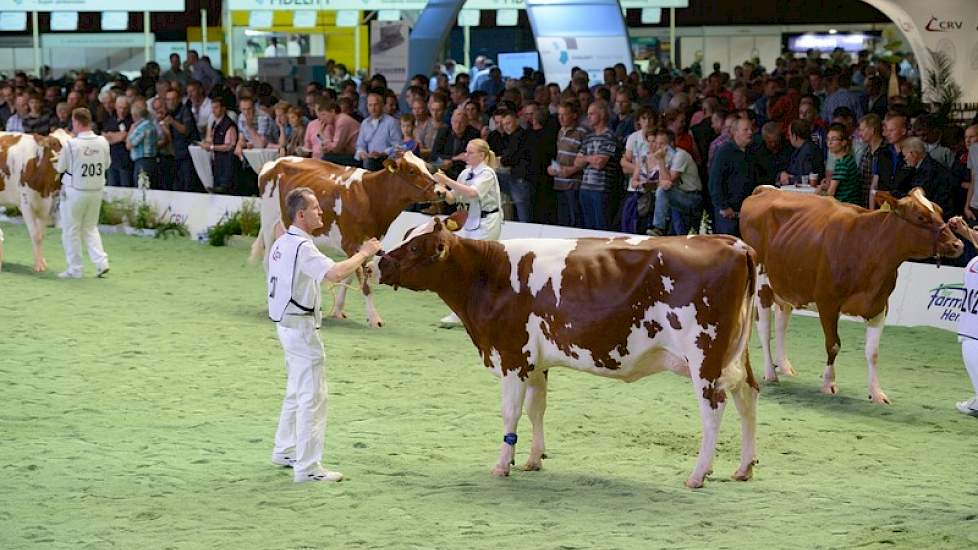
28	178
357	205
841	257
623	308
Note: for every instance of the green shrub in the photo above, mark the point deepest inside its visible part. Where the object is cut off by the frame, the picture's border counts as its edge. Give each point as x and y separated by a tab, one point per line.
246	221
114	211
144	217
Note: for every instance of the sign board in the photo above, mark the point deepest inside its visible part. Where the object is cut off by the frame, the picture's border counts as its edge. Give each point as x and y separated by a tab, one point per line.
115	20
101	5
14	21
162	51
94	40
389	51
591	53
64	20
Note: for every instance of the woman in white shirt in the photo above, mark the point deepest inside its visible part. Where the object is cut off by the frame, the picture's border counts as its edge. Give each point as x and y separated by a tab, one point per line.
477	188
968	319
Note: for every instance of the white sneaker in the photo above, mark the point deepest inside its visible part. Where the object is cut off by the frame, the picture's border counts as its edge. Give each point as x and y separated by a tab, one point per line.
283	460
969	407
450	320
69	275
319	475
102	272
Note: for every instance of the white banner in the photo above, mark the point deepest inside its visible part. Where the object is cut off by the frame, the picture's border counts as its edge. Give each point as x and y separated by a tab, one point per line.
373	5
558	55
94	40
100	5
389	51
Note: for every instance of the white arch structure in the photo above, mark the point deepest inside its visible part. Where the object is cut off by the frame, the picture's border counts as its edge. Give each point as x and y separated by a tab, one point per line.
949	26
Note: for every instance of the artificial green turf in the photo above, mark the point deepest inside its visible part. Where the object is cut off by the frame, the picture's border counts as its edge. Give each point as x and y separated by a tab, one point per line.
137	412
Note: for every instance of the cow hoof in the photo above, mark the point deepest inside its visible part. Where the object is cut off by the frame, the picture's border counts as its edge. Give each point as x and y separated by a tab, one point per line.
500	471
338	315
829	388
786	368
771	378
744	474
879	398
40	266
376	323
694	483
533	466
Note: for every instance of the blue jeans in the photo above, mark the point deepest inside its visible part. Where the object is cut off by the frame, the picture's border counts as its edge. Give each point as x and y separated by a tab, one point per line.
568	208
119	176
521	192
593	206
723	226
682	206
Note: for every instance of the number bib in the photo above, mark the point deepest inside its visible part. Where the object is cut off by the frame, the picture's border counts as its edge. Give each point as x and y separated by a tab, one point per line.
282	261
88	159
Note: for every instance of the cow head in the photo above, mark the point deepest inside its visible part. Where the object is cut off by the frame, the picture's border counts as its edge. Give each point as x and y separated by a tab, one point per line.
421	185
415	263
929	235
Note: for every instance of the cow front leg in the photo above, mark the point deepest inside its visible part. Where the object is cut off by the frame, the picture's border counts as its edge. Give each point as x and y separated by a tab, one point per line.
712	401
745	398
765	298
513	394
829	317
782	314
874	330
536	406
373	318
339	299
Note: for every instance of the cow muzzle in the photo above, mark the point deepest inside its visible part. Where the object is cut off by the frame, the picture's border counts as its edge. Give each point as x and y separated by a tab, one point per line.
386	270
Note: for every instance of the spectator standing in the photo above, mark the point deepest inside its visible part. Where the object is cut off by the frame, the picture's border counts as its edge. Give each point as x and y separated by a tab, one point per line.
221	139
176	73
179	121
291	141
15	122
770	155
448	152
566	173
597	151
732	179
36	121
141	143
876	167
379	134
926	173
514	157
806	159
116	131
843	182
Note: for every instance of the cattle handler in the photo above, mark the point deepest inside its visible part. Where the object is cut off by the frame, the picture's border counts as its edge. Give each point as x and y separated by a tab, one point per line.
85	160
296	270
968	321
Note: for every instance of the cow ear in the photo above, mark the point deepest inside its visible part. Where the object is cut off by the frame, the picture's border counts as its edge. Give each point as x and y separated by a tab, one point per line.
886	201
390	165
438	226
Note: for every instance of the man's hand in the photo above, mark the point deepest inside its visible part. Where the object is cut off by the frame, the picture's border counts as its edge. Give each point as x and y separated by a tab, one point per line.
784	178
969	213
369	248
958	225
728	213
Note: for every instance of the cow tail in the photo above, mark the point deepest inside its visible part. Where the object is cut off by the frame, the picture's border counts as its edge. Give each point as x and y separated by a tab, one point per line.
268	202
748	321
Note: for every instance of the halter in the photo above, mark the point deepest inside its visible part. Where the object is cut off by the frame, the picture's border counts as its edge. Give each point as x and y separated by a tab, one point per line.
936	232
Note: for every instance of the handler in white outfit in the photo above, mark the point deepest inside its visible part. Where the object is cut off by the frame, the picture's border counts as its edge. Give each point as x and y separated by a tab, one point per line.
296	270
478	189
968	321
85	160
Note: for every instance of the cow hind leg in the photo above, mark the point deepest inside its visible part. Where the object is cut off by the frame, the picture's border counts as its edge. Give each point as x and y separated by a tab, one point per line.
712	401
373	318
764	300
745	398
782	314
35	228
513	395
536	406
829	317
874	329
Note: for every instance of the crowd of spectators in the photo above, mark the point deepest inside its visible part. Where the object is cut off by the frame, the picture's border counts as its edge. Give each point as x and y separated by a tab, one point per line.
664	153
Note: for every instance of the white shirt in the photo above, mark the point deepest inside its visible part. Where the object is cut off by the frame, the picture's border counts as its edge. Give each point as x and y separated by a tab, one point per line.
85	160
311	268
968	321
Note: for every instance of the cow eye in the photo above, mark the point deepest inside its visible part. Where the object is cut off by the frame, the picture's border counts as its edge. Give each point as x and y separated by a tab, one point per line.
414	248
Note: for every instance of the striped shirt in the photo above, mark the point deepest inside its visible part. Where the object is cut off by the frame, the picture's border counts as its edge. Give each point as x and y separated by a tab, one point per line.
568	144
143	138
849	188
605	144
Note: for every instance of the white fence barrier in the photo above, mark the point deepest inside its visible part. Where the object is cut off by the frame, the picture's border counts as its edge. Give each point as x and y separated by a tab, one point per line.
924	295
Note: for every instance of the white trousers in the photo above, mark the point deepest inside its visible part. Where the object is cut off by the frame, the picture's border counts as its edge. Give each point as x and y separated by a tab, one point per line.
79	223
969	351
302	424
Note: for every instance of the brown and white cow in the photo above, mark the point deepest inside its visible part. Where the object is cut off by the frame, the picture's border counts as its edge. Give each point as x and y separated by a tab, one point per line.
841	257
622	308
357	205
28	178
